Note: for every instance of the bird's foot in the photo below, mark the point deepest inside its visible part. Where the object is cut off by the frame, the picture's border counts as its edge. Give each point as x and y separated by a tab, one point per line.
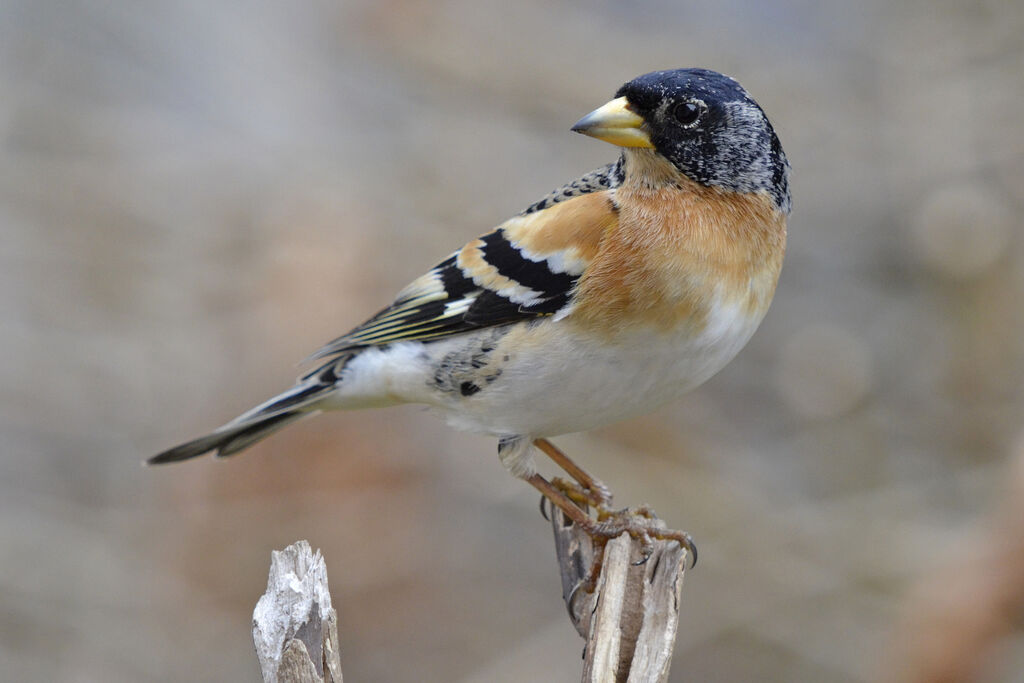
595	495
642	524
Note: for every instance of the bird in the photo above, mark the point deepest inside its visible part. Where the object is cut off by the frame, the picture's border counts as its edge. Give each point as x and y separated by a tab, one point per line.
606	299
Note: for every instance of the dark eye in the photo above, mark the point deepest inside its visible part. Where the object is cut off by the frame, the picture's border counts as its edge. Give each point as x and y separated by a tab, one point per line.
687	112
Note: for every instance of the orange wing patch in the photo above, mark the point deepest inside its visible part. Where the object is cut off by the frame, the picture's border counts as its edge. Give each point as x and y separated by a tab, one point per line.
567	234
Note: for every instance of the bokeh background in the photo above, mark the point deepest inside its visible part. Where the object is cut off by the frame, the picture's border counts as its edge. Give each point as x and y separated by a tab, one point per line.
195	195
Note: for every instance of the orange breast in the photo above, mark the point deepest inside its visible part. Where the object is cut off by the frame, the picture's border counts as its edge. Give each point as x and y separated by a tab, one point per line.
678	250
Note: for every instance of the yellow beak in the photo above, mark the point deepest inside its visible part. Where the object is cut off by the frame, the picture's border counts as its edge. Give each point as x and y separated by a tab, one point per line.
616	123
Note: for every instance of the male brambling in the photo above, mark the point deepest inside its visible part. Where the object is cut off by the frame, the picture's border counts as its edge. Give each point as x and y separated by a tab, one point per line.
604	300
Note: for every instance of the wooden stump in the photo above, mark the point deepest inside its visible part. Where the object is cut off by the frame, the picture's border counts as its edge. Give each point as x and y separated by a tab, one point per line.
629	622
294	627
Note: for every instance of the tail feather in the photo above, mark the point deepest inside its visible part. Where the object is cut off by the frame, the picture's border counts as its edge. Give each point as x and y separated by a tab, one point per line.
192	449
258	431
229	439
246	429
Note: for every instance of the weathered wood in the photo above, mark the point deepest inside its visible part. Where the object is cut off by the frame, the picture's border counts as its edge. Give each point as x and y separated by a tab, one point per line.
630	620
294	627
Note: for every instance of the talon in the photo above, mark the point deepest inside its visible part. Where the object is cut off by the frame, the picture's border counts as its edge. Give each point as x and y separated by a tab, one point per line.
543	509
572	596
646	545
684	539
641	524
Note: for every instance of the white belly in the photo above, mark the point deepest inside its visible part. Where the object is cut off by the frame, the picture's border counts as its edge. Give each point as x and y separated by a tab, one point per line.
546	378
559	382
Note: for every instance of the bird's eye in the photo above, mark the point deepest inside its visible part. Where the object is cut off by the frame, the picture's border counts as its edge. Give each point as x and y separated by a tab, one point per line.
687	113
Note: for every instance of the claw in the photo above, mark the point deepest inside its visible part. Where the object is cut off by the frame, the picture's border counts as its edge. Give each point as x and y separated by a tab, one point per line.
646	545
642	525
572	596
683	539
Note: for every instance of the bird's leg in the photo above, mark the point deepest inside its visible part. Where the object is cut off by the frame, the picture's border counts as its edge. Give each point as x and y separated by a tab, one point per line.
580	518
642	525
597	491
576	493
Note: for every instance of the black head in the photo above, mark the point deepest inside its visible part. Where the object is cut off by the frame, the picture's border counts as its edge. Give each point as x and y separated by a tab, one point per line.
705	124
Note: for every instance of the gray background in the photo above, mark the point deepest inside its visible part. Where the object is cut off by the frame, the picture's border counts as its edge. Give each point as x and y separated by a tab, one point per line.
195	195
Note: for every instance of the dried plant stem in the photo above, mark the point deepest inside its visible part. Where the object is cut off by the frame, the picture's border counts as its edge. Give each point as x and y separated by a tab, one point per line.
630	620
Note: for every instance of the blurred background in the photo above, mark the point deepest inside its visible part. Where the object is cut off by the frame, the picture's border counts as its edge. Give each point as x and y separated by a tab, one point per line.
191	198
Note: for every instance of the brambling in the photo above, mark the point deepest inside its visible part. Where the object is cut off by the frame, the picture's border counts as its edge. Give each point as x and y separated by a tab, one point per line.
606	299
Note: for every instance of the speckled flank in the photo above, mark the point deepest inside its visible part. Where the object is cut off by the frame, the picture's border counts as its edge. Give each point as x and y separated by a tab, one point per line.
467	370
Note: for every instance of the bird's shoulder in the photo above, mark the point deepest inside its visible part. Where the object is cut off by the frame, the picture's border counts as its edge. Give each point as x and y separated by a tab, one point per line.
607	177
524	269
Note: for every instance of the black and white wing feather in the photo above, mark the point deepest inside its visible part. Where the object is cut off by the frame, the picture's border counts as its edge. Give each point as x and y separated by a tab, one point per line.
520	271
